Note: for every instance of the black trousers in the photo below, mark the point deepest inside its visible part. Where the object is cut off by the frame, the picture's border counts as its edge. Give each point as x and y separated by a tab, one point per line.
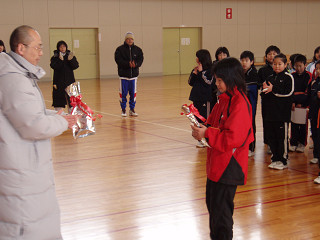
277	135
316	139
252	146
298	134
219	200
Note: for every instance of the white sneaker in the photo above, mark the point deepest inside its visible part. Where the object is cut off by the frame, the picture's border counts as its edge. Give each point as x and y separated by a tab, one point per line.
250	154
317	180
123	113
280	166
200	145
132	113
292	148
300	148
314	160
272	164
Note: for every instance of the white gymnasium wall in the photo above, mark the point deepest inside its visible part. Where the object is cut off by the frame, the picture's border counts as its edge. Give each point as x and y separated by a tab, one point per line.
256	24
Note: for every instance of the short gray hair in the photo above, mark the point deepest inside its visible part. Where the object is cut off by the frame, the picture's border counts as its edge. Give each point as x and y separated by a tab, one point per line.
20	35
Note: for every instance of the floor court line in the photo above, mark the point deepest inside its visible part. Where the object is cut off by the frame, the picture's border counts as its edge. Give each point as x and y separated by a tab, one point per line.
203	214
143	121
138	120
278	200
203	198
119	155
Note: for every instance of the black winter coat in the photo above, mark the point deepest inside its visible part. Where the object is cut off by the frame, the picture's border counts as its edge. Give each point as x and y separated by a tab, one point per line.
62	77
123	55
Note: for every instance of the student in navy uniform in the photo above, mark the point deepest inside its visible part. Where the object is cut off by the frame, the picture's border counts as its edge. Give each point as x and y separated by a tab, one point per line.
316	57
201	81
129	58
251	75
314	105
302	78
263	73
277	102
221	53
290	67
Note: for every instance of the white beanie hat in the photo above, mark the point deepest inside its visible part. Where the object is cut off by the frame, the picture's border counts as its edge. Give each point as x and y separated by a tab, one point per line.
129	35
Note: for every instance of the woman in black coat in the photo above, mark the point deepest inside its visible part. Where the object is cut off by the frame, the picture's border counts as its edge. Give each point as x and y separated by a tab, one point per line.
63	62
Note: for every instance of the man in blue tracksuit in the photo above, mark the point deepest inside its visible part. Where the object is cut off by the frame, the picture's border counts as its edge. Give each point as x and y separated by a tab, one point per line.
129	58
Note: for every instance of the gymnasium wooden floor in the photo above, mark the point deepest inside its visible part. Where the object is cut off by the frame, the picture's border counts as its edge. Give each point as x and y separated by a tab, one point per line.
143	178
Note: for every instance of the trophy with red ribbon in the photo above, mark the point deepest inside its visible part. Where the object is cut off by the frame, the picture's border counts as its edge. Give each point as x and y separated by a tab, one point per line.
191	111
85	123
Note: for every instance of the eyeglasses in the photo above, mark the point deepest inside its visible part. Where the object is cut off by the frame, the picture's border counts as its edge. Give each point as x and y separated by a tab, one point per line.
39	49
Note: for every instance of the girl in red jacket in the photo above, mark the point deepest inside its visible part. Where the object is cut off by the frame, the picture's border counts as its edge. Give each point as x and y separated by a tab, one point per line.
229	132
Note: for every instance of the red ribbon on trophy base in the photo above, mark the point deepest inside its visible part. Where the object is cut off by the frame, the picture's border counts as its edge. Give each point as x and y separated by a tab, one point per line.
76	101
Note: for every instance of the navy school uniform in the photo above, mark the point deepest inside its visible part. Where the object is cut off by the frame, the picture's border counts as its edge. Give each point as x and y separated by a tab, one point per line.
251	77
314	106
300	96
201	93
276	112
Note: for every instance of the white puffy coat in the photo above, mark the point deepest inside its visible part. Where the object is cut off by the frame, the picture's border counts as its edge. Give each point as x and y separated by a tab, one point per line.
28	204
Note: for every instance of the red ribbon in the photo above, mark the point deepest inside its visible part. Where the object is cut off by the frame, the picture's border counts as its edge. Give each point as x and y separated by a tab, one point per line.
76	101
195	112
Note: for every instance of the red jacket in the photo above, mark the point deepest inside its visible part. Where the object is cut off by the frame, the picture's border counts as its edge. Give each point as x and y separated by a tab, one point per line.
229	136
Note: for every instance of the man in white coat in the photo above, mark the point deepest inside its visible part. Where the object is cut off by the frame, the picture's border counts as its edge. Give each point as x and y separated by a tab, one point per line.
28	205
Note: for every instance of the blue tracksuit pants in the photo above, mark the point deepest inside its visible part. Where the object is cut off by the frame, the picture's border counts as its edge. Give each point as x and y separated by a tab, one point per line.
128	85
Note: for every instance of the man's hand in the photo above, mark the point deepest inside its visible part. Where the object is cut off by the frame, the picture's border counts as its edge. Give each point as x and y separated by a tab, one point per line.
71	119
132	64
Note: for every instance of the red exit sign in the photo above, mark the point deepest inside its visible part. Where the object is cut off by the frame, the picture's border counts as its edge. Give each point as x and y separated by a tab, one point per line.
228	13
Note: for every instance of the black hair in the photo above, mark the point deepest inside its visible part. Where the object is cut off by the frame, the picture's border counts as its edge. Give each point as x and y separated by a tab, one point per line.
314	54
247	54
204	58
222	50
2	44
20	35
299	58
231	72
282	57
316	63
293	57
272	48
61	43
